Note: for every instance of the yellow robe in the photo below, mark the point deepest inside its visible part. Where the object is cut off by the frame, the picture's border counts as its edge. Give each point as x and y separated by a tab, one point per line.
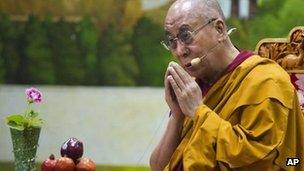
250	119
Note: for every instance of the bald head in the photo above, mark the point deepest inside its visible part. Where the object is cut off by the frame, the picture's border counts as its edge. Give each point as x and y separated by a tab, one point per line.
195	9
195	29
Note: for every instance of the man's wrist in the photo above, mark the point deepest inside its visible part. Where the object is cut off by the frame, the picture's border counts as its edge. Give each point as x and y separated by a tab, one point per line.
177	118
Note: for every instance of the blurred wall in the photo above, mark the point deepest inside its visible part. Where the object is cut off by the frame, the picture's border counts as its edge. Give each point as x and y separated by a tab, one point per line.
116	125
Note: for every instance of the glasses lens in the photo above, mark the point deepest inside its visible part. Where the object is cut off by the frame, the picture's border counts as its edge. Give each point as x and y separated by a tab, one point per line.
185	37
170	42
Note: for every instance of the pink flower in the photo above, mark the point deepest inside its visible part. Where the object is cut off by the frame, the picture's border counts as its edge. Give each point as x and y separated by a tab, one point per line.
300	94
300	81
33	95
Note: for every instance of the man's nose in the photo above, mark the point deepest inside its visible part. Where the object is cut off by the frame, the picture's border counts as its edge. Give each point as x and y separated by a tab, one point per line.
181	50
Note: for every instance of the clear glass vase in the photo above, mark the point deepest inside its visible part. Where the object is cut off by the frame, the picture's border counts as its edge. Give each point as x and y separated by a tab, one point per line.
25	145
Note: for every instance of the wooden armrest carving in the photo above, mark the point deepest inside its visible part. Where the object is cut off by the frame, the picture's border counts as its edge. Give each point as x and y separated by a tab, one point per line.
287	52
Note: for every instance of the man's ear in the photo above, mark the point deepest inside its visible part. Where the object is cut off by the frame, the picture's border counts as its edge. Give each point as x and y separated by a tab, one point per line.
220	28
219	25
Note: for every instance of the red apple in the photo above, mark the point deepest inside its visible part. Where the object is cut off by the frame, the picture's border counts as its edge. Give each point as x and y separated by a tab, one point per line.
49	164
64	164
85	164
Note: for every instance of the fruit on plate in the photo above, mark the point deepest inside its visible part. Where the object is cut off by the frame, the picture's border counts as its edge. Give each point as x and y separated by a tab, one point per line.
49	164
72	148
85	164
64	164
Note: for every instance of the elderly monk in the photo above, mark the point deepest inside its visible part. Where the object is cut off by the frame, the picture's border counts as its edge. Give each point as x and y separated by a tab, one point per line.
239	113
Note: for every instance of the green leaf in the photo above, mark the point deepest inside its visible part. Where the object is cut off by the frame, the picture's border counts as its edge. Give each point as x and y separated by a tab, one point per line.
33	114
15	121
35	122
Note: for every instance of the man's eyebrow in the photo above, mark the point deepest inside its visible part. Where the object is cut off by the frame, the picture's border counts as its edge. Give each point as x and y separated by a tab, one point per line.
167	32
184	27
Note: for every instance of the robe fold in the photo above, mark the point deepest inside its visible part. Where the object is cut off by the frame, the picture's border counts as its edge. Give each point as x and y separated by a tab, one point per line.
250	119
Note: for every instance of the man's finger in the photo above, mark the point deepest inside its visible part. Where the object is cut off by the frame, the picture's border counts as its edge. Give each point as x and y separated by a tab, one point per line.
168	87
167	72
186	78
166	82
177	78
174	85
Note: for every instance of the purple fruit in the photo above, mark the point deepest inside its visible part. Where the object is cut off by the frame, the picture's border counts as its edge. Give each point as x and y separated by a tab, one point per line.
72	148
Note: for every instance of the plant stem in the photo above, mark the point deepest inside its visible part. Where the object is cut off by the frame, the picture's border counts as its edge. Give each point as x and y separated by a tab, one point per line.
27	109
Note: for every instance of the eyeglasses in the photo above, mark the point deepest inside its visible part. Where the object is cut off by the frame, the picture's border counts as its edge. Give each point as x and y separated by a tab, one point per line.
185	36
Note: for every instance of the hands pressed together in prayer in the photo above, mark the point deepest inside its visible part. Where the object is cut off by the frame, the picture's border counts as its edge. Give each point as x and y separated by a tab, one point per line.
182	93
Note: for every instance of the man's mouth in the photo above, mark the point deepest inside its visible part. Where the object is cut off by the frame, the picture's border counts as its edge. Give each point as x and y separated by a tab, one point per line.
188	65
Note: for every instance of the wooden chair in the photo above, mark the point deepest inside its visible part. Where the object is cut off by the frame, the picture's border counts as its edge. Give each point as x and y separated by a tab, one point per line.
289	54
